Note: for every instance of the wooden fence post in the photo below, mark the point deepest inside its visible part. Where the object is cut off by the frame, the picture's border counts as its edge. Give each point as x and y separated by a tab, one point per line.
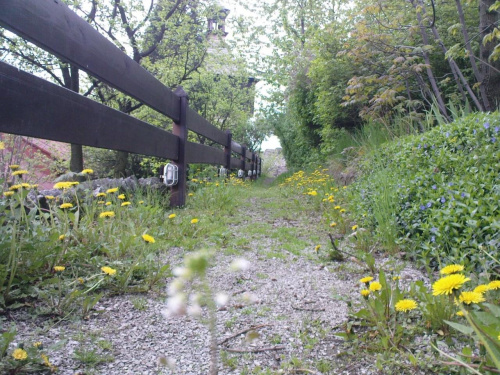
178	192
253	166
227	151
243	159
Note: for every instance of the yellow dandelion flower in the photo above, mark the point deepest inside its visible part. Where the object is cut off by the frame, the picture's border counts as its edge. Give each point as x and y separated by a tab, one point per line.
141	202
313	193
344	187
194	221
111	191
190	194
447	284
37	344
121	196
74	183
15	187
88	171
342	210
46	360
354	227
2	146
336	208
63	185
13	167
375	286
494	285
125	204
19	354
50	197
481	288
317	248
148	238
8	193
108	270
396	278
62	237
19	172
26	185
66	205
471	297
365	293
171	216
99	195
452	268
80	280
333	224
106	214
59	268
108	203
460	313
366	279
100	202
405	305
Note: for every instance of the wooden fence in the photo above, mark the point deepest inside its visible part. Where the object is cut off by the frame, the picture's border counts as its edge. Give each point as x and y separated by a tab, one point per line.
34	107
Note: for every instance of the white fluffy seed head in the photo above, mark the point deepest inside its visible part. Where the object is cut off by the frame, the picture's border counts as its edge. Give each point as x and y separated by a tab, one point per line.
221	299
240	264
176	305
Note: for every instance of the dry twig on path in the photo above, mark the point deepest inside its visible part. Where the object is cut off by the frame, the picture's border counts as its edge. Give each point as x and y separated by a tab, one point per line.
256	350
252	328
306	309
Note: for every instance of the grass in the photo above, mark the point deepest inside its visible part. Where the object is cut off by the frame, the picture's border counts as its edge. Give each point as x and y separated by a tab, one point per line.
295	215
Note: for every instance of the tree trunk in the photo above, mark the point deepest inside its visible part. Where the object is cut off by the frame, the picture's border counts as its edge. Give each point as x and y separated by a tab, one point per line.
472	59
491	73
430	74
121	163
71	78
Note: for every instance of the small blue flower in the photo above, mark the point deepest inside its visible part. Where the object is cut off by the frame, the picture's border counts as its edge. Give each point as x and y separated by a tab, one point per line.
497	129
450	183
422	208
429	205
433	239
474	131
462	195
434	187
443	200
425	145
419	146
486	125
434	229
493	139
447	134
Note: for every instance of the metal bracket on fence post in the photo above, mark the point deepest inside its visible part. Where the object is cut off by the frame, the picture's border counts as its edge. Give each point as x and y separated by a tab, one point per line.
260	166
178	192
243	159
227	150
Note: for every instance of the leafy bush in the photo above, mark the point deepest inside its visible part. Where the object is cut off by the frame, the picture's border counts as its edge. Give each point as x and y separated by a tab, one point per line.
447	191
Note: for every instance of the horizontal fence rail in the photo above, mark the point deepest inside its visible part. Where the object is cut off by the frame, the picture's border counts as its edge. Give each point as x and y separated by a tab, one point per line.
31	106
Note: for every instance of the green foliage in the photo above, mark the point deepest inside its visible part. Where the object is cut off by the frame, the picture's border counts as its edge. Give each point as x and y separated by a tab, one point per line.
446	192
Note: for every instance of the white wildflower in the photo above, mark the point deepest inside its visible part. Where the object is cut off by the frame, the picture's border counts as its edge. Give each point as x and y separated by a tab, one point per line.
194	310
175	287
221	299
176	305
240	264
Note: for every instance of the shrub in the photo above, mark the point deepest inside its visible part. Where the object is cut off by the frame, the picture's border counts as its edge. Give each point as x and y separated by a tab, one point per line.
446	188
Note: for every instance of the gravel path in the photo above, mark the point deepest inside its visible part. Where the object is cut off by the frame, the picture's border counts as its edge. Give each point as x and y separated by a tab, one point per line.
296	307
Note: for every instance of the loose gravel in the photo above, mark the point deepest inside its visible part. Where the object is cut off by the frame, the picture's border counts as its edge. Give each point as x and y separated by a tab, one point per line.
297	304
